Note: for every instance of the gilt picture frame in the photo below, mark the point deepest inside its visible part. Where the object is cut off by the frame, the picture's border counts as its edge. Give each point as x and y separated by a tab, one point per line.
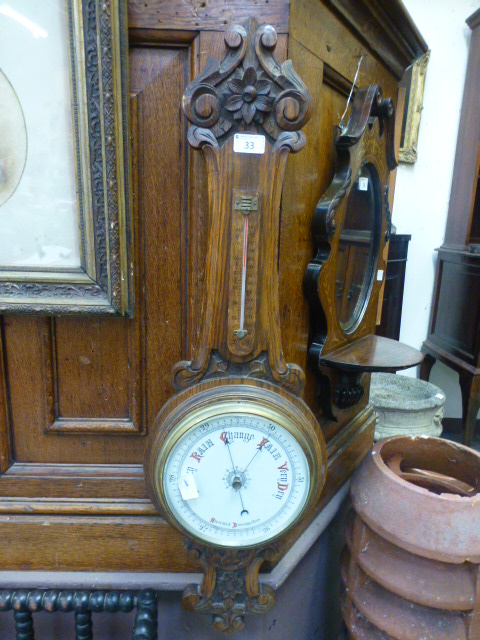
85	265
413	84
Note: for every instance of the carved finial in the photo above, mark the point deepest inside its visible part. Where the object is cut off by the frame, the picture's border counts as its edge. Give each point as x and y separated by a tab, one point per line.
248	90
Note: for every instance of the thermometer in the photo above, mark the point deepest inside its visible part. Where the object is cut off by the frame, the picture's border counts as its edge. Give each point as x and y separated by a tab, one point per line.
243	277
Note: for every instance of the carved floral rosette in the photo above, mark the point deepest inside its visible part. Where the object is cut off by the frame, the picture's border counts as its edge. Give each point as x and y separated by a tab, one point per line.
248	89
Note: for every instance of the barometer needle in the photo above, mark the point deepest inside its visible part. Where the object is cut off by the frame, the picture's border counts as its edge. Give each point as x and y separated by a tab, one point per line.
243	506
259	448
237	482
227	442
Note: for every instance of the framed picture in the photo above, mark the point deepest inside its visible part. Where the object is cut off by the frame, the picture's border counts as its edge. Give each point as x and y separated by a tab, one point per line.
65	206
413	84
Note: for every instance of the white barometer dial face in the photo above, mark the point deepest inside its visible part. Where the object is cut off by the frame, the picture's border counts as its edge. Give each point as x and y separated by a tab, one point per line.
236	479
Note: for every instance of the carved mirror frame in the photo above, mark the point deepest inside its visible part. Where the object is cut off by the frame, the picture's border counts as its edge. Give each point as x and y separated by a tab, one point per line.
367	140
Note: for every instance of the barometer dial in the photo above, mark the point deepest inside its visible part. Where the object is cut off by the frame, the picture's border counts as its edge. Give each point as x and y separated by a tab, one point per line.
239	471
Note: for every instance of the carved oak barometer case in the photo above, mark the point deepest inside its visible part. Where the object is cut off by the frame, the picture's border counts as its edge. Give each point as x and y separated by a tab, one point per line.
236	459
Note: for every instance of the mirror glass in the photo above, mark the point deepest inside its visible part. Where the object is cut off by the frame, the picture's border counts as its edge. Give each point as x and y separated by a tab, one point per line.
358	247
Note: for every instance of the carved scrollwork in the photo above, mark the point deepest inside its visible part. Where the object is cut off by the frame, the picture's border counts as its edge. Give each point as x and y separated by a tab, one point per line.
201	100
293	140
324	223
230	588
248	88
388	215
198	137
292	101
184	373
292	377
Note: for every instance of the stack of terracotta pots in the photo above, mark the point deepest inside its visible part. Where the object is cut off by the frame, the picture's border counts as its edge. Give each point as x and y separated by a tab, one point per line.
410	568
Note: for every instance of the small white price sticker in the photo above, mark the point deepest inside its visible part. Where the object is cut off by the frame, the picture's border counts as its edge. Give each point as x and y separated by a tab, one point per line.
188	488
248	143
380	275
363	184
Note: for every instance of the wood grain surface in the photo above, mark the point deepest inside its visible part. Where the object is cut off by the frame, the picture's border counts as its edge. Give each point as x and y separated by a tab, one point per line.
372	353
195	15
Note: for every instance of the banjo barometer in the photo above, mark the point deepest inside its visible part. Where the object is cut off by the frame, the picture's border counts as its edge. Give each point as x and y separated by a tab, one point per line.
236	460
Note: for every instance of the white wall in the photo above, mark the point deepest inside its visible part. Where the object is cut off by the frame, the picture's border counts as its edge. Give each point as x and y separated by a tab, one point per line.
422	190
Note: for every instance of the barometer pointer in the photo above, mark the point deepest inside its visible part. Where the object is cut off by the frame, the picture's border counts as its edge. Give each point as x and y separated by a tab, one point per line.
259	448
242	332
236	483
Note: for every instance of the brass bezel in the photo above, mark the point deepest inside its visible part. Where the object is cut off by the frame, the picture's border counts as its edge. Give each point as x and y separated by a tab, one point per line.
186	411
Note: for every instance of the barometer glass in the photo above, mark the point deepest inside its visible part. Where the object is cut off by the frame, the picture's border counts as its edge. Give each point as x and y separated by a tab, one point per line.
234	477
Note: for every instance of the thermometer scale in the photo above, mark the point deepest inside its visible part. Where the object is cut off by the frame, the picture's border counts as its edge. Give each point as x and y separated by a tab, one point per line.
243	272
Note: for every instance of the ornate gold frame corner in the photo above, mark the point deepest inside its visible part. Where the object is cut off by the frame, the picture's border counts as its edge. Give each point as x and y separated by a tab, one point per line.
103	283
414	83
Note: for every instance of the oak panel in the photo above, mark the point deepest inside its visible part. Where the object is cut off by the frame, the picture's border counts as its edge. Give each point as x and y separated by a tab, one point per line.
93	372
337	46
295	249
159	76
90	378
5	443
192	15
85	544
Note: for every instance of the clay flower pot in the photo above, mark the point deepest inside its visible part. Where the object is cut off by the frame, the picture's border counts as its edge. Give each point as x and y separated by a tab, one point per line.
410	568
416	509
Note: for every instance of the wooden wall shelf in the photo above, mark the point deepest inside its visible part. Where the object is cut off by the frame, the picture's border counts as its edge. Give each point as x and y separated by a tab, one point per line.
372	353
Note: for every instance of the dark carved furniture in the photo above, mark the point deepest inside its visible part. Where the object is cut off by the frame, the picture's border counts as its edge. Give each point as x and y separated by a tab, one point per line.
454	334
389	326
351	226
25	603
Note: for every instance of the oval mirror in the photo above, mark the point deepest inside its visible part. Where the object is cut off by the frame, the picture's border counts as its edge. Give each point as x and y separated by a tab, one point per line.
358	247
